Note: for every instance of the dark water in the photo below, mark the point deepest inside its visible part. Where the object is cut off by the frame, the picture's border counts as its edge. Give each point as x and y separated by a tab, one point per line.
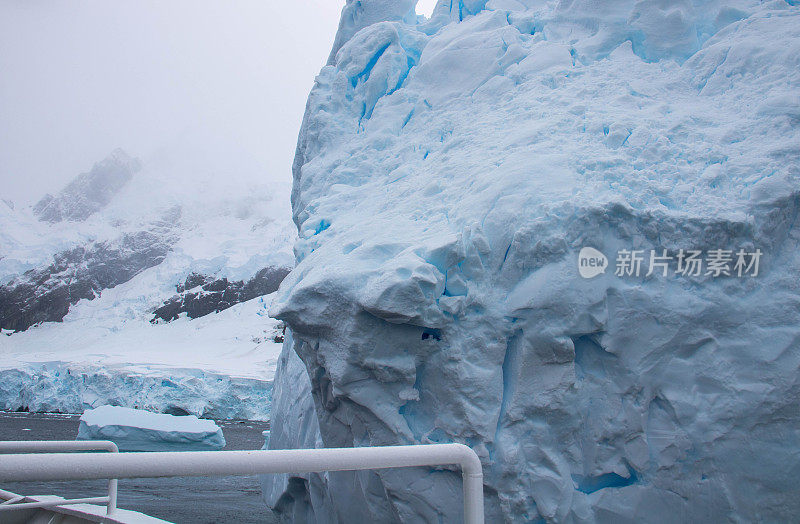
200	500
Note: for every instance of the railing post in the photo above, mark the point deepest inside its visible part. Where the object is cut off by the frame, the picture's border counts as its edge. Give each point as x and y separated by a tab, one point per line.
112	497
44	446
473	498
112	486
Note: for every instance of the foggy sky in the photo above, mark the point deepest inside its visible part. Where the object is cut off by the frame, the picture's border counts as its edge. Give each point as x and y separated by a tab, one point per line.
215	85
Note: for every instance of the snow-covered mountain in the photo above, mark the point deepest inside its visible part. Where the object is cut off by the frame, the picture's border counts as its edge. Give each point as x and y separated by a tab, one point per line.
449	174
89	192
114	280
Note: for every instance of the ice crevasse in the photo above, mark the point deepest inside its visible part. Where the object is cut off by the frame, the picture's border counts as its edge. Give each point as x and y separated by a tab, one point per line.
450	170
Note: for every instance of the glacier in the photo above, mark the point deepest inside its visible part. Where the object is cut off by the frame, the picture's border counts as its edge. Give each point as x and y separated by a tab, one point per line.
137	430
149	299
448	173
218	366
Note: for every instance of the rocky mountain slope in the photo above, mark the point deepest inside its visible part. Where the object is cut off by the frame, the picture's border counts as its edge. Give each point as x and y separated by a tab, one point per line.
89	271
89	192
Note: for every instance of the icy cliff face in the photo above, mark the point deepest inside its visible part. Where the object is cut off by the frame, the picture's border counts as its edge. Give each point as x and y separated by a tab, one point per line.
448	174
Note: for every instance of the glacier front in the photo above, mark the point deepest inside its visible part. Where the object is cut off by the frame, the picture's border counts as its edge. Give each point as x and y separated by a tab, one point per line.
450	171
132	288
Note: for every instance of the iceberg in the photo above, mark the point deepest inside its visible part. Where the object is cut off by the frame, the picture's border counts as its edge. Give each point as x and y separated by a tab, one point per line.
137	430
450	171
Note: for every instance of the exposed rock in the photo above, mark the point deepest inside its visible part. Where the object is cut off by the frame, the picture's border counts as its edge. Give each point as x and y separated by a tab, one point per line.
201	295
46	294
89	192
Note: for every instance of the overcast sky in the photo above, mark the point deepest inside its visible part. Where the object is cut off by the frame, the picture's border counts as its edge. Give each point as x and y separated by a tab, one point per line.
194	84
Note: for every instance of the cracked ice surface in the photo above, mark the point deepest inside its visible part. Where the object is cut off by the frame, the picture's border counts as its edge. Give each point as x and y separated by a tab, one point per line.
448	172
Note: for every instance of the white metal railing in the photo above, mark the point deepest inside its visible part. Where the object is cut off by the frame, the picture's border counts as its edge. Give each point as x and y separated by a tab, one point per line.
65	466
44	448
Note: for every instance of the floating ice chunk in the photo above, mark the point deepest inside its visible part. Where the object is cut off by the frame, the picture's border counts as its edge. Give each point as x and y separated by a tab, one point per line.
137	430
